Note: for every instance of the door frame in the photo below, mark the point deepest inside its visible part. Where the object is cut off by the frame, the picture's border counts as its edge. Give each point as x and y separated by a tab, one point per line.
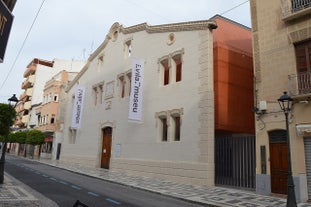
106	131
278	138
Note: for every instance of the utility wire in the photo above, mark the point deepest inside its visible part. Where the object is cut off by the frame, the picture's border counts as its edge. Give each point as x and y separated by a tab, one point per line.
234	7
24	42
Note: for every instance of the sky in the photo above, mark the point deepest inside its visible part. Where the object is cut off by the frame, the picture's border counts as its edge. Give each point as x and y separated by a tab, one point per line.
73	29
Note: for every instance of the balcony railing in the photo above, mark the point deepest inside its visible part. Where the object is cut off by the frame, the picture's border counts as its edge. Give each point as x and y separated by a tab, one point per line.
295	8
300	84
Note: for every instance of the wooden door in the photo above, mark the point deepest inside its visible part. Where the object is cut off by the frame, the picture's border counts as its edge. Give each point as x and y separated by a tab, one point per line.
279	167
106	147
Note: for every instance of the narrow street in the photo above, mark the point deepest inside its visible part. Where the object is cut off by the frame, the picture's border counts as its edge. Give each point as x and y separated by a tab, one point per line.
64	187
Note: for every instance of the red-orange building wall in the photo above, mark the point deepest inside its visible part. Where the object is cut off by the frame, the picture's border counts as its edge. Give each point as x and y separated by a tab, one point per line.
233	78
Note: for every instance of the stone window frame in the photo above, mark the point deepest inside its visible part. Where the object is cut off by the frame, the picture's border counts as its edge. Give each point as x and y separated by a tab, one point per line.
169	116
128	47
98	93
170	61
126	77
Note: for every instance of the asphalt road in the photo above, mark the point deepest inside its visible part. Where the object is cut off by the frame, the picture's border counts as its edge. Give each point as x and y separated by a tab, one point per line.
65	187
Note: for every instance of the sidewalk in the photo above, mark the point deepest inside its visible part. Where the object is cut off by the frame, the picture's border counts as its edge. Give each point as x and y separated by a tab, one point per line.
213	196
13	193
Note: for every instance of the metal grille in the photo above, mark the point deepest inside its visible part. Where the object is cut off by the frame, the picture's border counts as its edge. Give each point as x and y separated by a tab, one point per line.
300	4
307	142
277	136
290	7
235	162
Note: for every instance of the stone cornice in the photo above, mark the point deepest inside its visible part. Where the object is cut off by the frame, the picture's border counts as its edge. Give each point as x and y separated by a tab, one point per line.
117	27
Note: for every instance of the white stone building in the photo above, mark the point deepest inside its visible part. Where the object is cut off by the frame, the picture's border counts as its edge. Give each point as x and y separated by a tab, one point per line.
175	137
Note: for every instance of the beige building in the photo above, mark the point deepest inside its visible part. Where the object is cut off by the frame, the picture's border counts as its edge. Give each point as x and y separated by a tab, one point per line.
156	117
37	72
282	62
173	136
48	113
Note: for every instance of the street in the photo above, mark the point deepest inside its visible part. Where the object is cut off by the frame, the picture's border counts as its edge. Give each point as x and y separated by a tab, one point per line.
64	187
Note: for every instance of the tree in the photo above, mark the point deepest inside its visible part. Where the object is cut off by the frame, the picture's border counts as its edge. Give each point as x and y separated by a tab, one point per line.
12	138
7	117
35	137
21	140
21	137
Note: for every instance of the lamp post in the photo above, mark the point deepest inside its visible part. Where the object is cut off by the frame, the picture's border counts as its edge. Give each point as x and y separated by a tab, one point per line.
286	103
11	100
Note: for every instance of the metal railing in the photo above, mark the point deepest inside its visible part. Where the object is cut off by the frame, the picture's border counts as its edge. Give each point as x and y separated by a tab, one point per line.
300	83
292	6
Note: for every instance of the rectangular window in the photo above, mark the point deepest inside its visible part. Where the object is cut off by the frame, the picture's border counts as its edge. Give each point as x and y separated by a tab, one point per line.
122	83
95	94
55	97
303	61
303	56
178	67
177	128
129	82
50	97
53	119
164	128
101	93
166	72
128	49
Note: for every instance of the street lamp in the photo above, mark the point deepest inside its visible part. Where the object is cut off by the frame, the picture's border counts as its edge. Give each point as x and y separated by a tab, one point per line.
11	100
286	103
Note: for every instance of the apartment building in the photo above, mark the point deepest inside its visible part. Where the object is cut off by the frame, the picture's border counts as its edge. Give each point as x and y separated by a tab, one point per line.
144	102
48	113
282	62
39	71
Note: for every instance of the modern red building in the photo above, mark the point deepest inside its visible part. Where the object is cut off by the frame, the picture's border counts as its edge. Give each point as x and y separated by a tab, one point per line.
235	155
233	78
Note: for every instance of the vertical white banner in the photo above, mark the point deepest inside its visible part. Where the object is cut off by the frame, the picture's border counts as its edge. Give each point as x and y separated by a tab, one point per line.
136	97
78	107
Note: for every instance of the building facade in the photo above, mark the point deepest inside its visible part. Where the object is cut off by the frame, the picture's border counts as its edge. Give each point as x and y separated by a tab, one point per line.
47	113
173	134
38	72
282	57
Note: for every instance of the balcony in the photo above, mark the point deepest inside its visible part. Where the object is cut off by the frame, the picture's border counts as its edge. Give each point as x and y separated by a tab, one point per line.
20	108
300	85
27	105
30	70
29	91
25	119
28	82
292	9
22	96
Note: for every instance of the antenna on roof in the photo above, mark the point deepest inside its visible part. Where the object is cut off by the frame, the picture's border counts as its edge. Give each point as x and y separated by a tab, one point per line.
83	53
91	51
